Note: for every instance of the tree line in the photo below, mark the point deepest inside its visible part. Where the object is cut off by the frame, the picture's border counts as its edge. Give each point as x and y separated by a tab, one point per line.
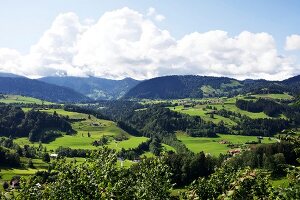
36	125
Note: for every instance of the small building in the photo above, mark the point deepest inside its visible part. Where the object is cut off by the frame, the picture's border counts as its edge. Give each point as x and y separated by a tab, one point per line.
15	182
53	155
224	142
234	151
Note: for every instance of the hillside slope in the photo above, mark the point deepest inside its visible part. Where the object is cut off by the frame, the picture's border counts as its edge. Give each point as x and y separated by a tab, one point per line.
189	86
38	89
93	87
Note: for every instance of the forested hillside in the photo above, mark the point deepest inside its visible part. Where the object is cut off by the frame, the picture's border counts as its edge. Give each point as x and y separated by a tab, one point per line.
37	126
172	87
176	87
38	89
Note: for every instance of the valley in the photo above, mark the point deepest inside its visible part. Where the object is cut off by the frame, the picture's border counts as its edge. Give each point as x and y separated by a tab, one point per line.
208	131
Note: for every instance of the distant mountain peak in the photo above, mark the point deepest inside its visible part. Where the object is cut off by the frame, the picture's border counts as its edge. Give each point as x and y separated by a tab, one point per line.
94	87
4	74
38	89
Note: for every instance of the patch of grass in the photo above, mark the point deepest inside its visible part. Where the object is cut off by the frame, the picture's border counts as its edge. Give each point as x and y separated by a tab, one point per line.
176	192
232	107
132	142
222	103
281	182
8	173
198	111
147	155
274	96
212	145
22	99
97	128
168	148
125	164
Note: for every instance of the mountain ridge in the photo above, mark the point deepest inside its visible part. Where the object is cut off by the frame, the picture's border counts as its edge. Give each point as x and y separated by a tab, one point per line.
195	86
94	87
38	89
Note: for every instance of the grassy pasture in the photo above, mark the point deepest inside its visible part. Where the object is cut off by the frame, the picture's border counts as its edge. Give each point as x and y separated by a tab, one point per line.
231	107
22	99
198	111
6	173
224	103
274	96
212	145
96	127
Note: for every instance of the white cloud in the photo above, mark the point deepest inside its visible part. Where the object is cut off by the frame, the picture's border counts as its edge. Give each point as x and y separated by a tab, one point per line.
157	17
160	18
10	61
126	43
151	11
292	42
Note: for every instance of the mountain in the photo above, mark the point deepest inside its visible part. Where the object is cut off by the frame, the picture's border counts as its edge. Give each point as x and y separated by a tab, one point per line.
93	87
39	89
293	84
189	86
3	74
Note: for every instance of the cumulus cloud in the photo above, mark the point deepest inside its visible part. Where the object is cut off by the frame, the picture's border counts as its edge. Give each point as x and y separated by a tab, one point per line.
152	13
126	43
292	42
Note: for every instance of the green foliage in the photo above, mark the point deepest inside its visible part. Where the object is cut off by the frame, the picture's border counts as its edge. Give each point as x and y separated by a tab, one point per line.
34	124
5	185
99	178
46	157
187	167
30	163
269	107
226	183
9	157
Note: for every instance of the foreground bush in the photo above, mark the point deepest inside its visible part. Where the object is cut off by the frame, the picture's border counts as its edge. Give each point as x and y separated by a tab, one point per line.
245	184
100	178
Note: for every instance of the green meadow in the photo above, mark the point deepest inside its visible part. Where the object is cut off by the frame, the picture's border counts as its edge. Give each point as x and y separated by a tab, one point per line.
97	128
22	99
274	96
222	103
212	145
199	110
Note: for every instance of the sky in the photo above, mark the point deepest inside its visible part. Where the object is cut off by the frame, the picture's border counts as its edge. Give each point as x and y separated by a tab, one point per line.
144	39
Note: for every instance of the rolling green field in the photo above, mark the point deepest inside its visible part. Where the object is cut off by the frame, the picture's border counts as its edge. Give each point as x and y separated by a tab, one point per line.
6	174
212	145
274	96
97	129
222	103
198	111
22	99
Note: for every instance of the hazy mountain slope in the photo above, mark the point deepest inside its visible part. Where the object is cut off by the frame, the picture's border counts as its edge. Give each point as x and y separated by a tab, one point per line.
39	89
3	74
93	87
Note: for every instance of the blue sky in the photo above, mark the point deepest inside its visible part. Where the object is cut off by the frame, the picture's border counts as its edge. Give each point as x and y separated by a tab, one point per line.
33	44
23	22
